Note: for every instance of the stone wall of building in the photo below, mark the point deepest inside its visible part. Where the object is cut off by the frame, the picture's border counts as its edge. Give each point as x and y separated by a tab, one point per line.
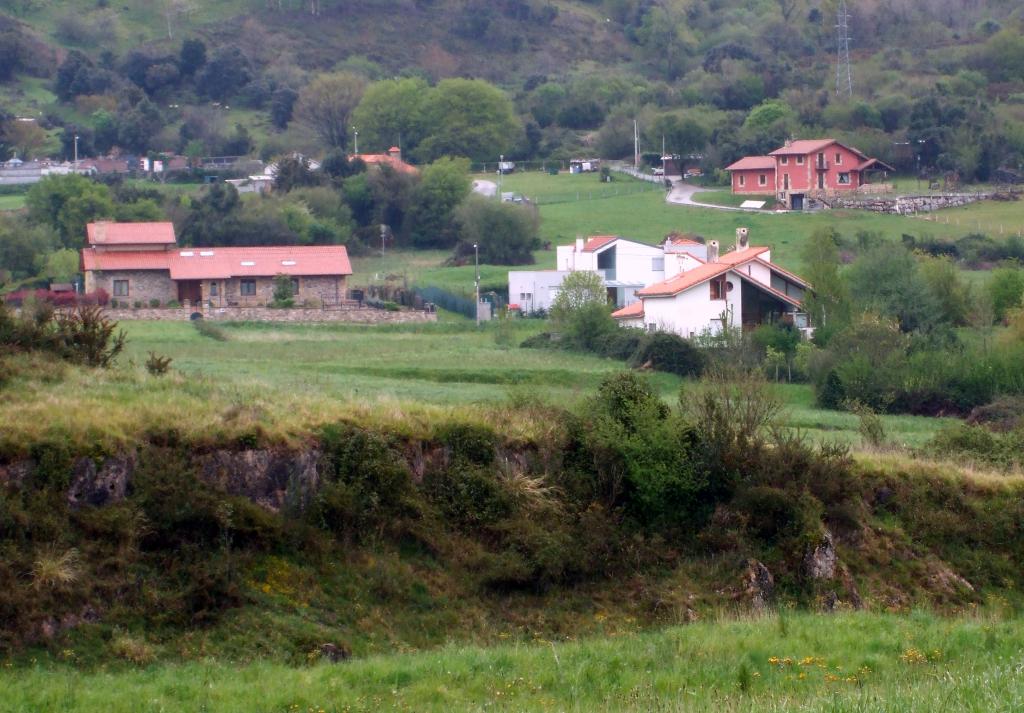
143	285
354	315
312	290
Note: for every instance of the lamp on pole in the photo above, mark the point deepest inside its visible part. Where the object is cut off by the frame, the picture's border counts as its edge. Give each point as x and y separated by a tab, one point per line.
476	260
76	150
355	143
501	170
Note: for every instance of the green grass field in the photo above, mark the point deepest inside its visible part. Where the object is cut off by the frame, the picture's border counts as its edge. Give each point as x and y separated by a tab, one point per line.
795	662
647	217
12	202
286	378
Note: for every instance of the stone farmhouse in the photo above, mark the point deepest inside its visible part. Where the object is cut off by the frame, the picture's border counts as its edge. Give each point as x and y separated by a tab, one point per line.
801	171
705	291
141	262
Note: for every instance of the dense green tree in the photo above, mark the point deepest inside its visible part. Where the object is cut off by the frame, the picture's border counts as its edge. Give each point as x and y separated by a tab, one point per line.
828	301
294	172
886	280
282	106
1006	290
947	289
468	117
21	242
505	232
391	113
581	311
67	203
443	186
192	56
227	71
60	265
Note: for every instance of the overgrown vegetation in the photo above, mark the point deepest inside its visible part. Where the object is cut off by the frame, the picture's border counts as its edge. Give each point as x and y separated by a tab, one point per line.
82	335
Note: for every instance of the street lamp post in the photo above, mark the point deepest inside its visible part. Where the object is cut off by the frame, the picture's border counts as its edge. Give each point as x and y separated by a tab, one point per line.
76	151
501	170
476	260
355	144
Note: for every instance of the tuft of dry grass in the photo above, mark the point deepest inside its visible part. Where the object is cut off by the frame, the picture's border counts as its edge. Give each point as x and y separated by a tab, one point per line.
55	570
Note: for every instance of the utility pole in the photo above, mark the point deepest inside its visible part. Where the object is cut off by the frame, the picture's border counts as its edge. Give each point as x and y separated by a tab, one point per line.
355	144
476	259
844	78
663	156
501	170
76	151
636	146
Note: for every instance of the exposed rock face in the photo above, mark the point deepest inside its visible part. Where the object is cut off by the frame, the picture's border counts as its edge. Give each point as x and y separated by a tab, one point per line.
944	579
100	486
820	560
758	584
15	474
272	480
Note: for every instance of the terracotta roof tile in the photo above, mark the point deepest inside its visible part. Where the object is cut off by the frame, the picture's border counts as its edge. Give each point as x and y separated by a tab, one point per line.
108	233
596	242
685	280
630	311
221	263
752	163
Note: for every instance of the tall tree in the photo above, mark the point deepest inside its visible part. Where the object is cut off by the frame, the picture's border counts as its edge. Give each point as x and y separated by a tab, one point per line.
828	302
444	185
468	117
390	113
326	104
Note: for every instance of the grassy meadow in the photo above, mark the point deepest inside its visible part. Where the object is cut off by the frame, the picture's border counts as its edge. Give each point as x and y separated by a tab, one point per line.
282	379
773	664
15	202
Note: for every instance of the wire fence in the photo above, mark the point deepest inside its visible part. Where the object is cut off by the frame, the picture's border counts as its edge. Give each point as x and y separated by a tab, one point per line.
987	227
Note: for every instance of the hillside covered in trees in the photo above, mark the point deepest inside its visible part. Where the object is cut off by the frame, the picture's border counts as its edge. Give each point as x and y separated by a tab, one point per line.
937	83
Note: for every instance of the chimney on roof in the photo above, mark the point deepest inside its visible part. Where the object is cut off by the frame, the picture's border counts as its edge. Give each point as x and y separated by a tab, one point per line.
395	153
742	239
579	244
712	251
789	142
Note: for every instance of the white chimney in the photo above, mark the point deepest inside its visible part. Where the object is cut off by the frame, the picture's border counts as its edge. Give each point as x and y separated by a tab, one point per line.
742	238
712	251
579	244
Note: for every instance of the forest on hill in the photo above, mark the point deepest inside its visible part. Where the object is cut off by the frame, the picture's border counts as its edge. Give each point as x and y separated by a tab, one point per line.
937	84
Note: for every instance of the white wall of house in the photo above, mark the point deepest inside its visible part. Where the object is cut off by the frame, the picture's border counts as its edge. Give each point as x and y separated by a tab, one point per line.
534	290
692	311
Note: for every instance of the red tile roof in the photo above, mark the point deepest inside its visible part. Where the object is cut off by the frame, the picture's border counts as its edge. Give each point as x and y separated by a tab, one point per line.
105	233
596	242
685	280
221	263
630	311
379	159
683	239
752	163
803	146
771	290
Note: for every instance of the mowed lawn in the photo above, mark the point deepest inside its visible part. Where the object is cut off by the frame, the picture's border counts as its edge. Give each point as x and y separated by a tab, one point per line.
843	663
12	202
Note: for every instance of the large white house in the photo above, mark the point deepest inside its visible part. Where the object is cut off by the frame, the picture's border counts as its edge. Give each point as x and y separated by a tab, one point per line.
625	266
711	291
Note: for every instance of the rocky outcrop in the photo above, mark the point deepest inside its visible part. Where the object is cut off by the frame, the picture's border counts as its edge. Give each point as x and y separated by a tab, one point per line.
274	480
100	485
820	560
758	584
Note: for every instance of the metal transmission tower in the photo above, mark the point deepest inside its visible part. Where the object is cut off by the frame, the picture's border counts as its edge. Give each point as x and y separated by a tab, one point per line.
844	78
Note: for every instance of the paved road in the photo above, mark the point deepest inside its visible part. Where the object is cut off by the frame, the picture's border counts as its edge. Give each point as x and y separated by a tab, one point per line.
485	188
682	194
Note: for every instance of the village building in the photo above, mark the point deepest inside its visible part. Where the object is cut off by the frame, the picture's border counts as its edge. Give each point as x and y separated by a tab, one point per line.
806	170
710	292
625	266
142	263
392	159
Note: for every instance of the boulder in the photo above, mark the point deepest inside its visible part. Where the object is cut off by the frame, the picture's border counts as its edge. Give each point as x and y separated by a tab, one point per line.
820	560
758	584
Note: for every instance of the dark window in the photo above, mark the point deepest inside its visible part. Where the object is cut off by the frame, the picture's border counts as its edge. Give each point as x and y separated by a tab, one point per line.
248	288
743	179
762	180
718	288
784	160
844	179
120	288
800	160
295	285
839	158
213	289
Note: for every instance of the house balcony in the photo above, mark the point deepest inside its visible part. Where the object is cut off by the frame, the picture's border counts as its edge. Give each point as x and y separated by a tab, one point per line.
821	165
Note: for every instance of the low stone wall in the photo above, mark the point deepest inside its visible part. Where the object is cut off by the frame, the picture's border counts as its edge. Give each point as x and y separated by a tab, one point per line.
265	314
905	205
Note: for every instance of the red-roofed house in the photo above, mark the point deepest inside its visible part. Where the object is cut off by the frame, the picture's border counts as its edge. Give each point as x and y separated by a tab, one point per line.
738	288
810	168
392	158
140	262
